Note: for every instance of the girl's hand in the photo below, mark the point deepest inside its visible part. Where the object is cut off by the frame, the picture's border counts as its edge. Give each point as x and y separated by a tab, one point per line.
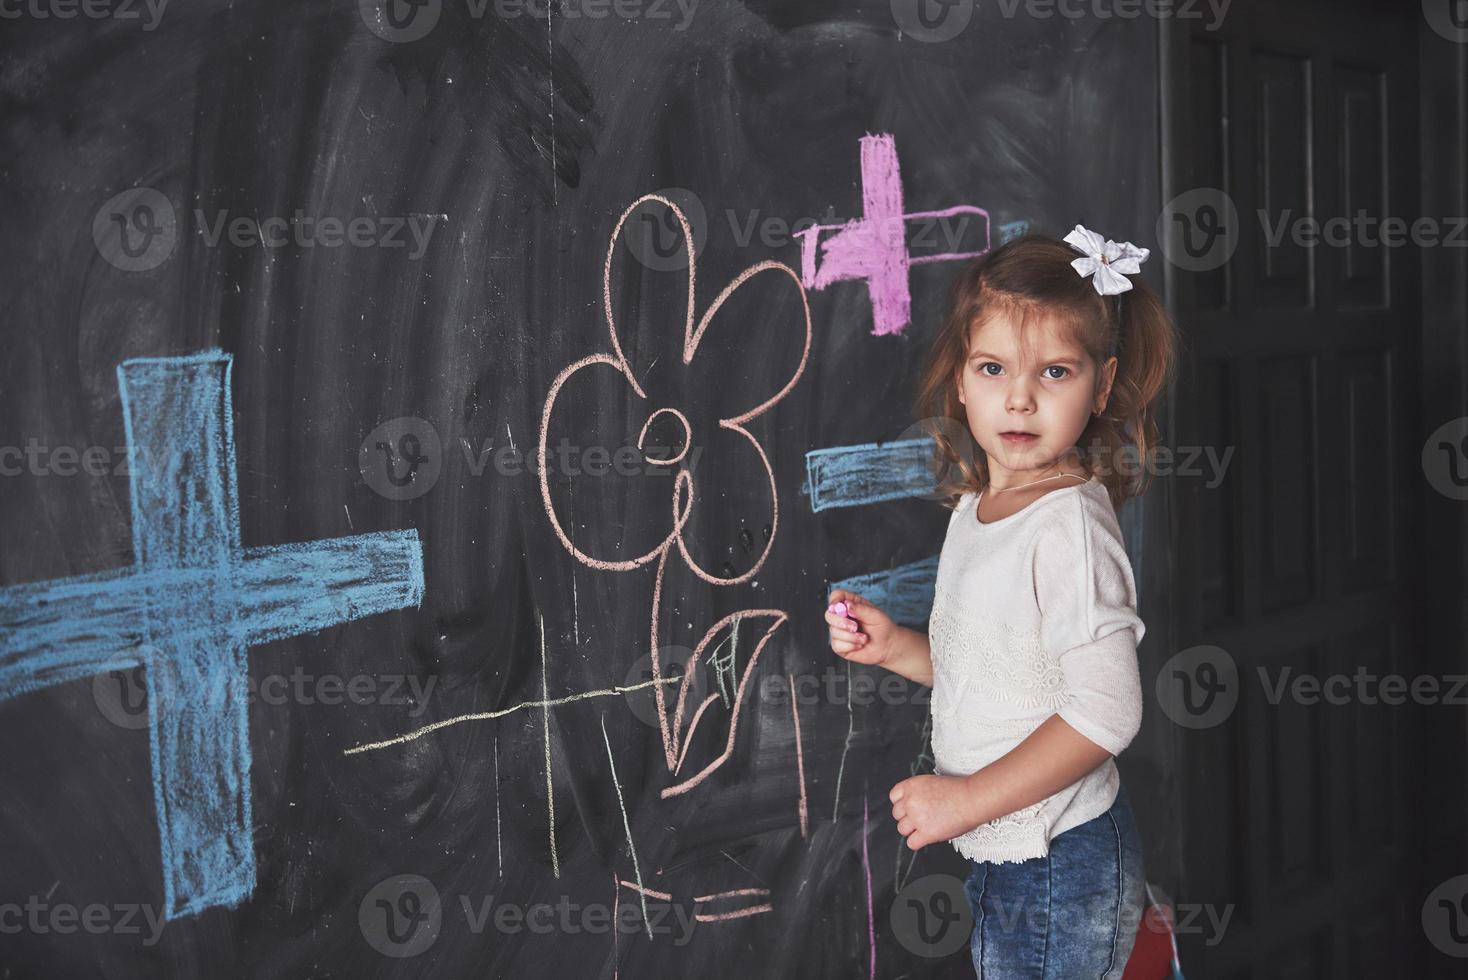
864	634
929	809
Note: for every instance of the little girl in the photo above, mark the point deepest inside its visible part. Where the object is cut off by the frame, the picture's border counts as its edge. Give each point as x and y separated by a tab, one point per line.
1050	357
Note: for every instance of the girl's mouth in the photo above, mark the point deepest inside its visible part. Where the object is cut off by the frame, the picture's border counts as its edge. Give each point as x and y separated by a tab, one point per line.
1018	437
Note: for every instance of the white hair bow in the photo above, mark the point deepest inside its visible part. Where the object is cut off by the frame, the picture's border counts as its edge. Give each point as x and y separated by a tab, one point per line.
1106	260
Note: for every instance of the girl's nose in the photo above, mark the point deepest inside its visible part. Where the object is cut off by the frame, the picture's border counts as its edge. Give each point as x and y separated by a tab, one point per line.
1019	397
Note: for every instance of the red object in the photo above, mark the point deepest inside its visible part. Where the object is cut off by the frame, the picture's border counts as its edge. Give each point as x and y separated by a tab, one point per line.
1151	957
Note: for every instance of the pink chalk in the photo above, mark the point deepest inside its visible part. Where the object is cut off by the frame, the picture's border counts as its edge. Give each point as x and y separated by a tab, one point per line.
874	246
840	609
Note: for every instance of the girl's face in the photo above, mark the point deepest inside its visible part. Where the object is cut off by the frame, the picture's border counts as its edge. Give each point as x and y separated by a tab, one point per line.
1049	395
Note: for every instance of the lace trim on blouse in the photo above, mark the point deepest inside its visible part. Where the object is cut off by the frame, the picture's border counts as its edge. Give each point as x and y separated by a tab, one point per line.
1016	836
1009	662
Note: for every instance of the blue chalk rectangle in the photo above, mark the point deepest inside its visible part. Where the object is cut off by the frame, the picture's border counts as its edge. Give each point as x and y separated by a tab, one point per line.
850	476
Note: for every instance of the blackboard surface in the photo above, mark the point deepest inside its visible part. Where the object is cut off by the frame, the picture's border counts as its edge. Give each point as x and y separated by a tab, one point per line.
304	669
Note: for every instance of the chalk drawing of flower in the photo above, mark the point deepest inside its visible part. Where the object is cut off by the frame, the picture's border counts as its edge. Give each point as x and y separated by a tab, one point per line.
695	406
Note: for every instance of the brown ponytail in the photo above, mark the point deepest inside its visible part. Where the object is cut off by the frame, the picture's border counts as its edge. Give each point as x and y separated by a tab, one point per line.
1126	432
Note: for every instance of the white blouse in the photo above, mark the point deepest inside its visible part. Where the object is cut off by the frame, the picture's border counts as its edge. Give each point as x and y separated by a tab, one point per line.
1034	614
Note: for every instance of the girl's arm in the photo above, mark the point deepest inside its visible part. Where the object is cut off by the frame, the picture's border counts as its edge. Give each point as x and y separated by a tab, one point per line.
883	644
911	656
1049	759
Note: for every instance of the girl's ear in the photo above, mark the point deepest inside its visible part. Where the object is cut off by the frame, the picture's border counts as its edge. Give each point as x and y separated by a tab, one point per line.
1108	375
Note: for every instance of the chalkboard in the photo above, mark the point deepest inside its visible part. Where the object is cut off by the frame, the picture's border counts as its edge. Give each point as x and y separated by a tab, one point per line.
402	401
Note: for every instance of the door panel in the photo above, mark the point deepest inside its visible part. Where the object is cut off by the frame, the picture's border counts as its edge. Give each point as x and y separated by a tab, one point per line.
1296	356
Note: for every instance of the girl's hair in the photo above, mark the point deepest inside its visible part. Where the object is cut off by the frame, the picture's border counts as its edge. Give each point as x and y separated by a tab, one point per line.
1031	277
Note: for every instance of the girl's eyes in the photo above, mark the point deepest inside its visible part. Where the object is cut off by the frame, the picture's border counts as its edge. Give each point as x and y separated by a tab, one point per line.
984	368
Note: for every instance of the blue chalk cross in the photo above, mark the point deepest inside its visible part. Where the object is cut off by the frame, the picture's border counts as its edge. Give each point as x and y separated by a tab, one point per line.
188	609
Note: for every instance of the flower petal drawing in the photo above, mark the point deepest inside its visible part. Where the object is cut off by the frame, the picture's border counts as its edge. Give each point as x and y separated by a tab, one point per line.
692	334
774	385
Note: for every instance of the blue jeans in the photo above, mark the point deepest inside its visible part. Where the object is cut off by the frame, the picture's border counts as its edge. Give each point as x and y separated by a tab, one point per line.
1071	914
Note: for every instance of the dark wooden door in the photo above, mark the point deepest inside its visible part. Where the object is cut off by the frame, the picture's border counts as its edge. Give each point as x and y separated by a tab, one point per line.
1301	357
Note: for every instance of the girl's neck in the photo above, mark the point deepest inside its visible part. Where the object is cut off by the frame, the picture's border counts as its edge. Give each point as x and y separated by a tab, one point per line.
1057	472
